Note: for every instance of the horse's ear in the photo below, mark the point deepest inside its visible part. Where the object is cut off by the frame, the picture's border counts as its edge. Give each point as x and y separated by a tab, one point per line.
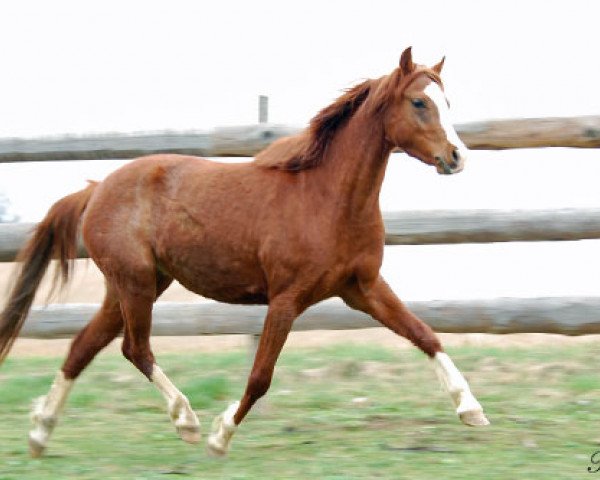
406	64
437	68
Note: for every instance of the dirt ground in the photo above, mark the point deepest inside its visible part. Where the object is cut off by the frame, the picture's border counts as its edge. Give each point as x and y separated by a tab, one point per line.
87	287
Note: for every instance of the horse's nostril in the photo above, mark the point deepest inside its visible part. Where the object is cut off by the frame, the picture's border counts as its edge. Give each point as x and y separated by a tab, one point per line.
455	155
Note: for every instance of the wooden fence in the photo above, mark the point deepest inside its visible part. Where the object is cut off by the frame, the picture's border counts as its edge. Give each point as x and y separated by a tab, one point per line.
565	315
568	315
430	227
246	141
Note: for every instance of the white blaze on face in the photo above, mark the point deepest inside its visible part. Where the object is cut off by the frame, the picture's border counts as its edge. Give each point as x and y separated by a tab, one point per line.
436	95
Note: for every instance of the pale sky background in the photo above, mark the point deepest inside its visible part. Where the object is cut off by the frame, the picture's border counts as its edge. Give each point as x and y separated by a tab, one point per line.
102	66
73	66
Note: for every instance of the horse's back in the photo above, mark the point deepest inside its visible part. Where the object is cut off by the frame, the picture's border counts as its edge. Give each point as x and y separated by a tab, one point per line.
129	192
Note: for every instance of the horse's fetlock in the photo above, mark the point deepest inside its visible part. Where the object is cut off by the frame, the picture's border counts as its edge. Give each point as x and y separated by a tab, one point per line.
178	406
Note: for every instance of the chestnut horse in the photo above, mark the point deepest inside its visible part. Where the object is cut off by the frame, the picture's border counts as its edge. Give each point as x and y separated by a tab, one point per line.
299	224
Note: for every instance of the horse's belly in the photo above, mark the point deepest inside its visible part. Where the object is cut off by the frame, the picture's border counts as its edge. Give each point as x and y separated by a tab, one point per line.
231	292
225	283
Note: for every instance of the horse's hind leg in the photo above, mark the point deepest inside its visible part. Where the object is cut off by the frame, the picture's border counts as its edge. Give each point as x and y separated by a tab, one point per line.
136	305
104	327
381	303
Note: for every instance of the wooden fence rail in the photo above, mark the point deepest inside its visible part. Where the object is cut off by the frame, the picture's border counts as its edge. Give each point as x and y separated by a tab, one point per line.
431	227
565	315
248	140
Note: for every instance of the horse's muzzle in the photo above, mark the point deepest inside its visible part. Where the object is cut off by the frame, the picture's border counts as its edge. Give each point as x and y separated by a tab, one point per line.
453	163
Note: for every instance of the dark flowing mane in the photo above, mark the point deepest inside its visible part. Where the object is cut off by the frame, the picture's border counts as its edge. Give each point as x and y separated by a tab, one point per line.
306	150
328	121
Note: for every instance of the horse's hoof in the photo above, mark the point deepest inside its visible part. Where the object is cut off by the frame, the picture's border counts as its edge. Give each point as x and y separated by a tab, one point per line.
36	449
189	433
215	448
474	418
223	428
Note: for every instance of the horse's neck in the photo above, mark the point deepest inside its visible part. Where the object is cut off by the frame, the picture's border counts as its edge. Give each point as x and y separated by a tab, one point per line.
356	166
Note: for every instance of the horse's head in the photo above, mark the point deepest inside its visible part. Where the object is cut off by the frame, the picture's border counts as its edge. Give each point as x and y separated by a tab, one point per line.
417	117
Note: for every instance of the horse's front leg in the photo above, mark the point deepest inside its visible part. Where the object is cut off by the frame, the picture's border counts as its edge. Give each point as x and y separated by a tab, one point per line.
379	301
278	322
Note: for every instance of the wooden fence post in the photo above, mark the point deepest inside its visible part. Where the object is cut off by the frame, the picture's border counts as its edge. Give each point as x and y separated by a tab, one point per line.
263	109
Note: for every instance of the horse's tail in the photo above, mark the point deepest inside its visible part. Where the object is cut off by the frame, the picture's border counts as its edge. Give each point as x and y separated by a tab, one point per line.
55	237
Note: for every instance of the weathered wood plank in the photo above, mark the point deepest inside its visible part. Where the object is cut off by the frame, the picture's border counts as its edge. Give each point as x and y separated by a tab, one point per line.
250	139
12	238
482	226
220	142
564	315
432	227
579	132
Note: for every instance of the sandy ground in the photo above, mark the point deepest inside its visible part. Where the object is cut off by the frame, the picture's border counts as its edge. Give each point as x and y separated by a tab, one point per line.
87	286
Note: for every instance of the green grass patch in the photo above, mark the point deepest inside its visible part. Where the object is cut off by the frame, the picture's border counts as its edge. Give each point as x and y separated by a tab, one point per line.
343	412
204	392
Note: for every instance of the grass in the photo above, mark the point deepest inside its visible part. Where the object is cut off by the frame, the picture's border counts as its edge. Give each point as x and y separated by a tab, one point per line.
544	404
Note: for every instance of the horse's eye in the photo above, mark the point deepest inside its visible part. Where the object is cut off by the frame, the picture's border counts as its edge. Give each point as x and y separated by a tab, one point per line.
418	103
